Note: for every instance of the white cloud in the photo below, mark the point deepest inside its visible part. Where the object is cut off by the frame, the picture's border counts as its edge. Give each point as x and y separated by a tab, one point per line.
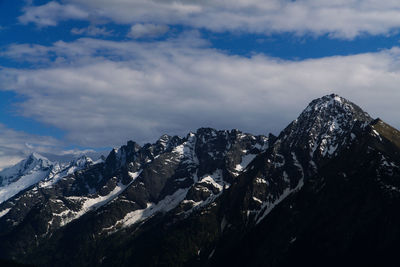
103	93
92	31
51	13
147	30
337	18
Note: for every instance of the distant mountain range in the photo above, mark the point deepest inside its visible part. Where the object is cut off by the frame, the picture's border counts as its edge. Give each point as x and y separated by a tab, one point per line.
324	192
37	169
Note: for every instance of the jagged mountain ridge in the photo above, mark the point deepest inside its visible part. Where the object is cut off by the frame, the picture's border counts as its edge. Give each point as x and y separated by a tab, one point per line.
133	183
36	169
176	207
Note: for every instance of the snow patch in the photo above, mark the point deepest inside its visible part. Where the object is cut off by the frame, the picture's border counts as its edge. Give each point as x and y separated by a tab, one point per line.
179	149
165	205
94	203
261	181
375	133
4	212
58	172
211	254
246	159
22	183
268	206
214	179
257	200
297	164
338	99
186	151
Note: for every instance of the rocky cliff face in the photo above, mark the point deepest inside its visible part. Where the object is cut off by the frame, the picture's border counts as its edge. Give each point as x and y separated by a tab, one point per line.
216	197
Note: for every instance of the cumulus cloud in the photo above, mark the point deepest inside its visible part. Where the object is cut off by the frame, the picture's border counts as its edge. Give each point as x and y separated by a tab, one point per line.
337	18
147	30
51	13
103	93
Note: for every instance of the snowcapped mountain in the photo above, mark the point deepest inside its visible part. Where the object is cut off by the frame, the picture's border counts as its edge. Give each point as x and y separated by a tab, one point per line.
324	126
36	169
135	183
329	183
33	163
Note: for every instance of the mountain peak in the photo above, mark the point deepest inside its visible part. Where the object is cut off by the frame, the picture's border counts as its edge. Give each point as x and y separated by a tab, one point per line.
324	125
35	160
332	106
333	97
82	161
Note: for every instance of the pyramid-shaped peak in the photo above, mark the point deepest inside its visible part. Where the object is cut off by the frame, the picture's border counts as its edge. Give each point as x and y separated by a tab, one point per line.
332	106
336	98
32	163
35	159
324	126
332	99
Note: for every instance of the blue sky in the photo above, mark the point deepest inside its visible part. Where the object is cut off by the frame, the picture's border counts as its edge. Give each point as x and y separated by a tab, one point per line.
78	75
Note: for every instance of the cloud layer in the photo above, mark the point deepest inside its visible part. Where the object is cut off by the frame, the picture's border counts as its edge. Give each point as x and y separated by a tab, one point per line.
103	93
337	18
51	13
